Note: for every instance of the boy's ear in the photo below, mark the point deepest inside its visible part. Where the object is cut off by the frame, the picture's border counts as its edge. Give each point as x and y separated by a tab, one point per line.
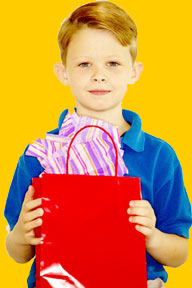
61	74
136	71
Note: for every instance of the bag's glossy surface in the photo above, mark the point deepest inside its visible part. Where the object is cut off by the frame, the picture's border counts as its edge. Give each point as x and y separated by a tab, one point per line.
87	238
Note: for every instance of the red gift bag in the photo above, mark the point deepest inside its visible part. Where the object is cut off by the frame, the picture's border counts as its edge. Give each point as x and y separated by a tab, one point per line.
88	240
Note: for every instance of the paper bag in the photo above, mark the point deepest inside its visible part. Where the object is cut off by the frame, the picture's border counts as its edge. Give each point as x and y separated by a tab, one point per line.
88	240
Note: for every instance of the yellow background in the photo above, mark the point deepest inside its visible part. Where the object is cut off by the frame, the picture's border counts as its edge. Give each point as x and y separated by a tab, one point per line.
32	98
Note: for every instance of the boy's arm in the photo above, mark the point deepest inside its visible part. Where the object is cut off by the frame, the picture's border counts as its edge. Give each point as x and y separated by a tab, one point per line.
19	251
21	240
168	249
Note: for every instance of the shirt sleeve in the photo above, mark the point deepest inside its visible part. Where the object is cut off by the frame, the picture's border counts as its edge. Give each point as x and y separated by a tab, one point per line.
27	168
172	206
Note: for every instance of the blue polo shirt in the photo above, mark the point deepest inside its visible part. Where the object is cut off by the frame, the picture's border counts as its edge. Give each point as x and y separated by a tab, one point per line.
149	158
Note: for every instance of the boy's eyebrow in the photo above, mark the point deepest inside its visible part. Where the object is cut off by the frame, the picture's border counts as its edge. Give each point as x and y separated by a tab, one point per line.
108	56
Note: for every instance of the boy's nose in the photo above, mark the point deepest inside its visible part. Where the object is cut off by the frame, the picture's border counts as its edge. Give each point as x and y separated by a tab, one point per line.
99	79
99	76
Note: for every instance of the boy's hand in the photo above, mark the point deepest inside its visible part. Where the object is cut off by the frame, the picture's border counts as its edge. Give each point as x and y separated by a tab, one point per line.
29	218
143	215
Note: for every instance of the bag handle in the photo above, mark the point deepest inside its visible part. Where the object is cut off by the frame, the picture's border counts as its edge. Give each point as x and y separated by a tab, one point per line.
105	132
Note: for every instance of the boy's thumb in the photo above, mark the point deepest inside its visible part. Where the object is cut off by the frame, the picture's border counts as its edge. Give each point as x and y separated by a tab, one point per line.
30	193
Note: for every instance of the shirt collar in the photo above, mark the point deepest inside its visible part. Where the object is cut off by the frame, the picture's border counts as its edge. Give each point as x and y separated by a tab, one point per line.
133	138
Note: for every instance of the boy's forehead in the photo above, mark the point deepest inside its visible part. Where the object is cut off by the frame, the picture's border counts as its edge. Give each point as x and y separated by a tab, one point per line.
86	46
91	42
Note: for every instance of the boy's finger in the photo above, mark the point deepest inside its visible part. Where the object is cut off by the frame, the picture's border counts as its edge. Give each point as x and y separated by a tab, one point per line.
144	221
29	194
140	211
30	216
32	240
32	204
144	230
139	203
33	224
36	241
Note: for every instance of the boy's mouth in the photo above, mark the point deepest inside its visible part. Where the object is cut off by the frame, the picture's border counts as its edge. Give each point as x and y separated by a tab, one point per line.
99	92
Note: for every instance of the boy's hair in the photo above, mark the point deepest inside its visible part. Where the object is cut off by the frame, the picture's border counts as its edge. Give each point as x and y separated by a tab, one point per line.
99	15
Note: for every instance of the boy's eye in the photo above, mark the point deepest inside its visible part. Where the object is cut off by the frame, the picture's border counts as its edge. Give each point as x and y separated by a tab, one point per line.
85	64
115	63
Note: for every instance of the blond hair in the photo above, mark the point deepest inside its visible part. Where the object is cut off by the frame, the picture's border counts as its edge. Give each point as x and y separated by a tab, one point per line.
99	15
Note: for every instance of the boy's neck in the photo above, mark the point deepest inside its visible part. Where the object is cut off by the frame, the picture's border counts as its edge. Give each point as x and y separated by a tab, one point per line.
114	118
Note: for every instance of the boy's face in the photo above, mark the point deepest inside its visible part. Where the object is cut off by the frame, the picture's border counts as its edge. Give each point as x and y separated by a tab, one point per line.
96	60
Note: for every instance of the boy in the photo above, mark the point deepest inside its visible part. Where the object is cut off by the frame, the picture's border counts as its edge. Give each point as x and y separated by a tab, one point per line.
98	52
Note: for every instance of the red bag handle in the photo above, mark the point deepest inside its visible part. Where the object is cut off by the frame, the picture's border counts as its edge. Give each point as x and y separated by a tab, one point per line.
104	131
